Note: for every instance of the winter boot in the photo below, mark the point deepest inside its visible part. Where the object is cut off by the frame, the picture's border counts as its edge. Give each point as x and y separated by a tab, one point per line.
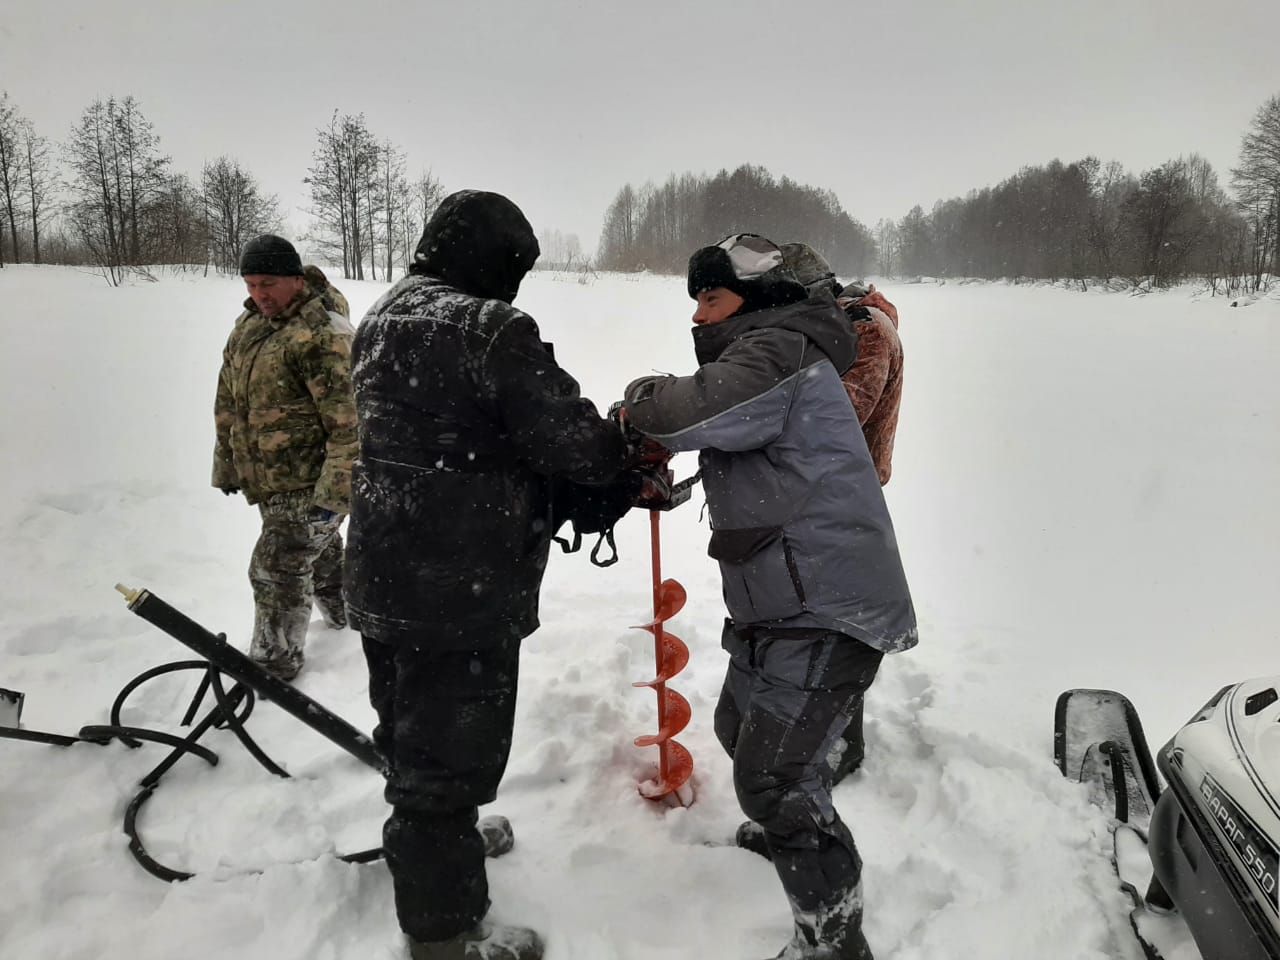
497	835
486	941
279	636
849	764
801	949
832	932
332	609
750	836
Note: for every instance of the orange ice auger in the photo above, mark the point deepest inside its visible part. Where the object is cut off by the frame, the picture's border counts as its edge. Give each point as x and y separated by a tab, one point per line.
675	765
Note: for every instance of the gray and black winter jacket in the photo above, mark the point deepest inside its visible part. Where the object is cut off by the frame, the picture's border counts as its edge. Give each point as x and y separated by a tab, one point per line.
799	522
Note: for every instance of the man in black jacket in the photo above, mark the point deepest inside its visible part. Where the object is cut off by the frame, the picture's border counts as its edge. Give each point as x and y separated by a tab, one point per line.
465	422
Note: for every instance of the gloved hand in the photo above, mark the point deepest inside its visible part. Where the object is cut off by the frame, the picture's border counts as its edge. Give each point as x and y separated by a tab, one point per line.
652	485
641	450
229	490
876	299
653	454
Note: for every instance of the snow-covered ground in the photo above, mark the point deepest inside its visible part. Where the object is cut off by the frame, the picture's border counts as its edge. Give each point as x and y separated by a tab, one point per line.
1084	495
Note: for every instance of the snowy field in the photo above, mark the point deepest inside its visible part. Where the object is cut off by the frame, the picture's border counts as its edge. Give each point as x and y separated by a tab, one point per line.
1084	491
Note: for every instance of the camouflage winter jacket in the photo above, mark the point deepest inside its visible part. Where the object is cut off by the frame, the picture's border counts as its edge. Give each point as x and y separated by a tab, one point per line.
874	382
284	411
329	295
334	296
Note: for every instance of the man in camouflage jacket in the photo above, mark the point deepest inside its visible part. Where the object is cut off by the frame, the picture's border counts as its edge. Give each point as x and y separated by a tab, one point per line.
286	439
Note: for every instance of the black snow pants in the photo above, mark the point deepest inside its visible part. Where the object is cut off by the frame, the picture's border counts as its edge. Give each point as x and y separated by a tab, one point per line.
788	698
445	719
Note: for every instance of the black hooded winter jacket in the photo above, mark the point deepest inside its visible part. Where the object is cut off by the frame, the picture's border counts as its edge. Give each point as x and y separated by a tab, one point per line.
464	418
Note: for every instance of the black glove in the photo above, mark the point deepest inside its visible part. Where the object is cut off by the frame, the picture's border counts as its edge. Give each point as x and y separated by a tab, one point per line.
641	450
652	486
229	490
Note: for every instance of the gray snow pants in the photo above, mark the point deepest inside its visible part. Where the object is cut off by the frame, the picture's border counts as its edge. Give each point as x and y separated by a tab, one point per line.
788	698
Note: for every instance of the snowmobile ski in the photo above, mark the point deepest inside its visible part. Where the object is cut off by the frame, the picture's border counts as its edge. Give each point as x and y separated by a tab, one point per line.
1098	740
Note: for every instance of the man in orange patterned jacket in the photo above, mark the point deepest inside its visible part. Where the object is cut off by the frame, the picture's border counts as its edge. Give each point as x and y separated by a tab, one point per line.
874	382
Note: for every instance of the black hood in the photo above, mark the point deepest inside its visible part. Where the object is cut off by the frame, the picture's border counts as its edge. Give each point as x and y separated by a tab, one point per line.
818	318
478	242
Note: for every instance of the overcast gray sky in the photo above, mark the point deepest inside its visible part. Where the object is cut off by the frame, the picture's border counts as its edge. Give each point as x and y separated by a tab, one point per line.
557	103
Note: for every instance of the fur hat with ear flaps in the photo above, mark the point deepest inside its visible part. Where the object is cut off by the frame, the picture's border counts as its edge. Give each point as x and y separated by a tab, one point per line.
750	266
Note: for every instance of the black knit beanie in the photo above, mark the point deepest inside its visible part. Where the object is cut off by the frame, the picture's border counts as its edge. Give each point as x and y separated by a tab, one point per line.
269	255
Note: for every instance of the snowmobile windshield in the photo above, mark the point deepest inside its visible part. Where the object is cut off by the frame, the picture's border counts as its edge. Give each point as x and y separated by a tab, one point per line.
480	243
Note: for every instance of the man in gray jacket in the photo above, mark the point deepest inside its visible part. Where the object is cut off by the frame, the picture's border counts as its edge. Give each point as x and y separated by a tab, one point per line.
808	557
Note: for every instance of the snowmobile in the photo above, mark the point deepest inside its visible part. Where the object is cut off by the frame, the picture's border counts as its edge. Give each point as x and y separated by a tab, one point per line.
1209	839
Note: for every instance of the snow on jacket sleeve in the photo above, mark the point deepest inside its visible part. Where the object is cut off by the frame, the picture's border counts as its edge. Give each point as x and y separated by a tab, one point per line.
552	427
324	361
739	401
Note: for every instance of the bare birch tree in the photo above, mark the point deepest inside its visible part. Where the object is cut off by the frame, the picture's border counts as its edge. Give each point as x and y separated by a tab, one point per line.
343	179
41	182
236	210
11	175
117	174
1257	184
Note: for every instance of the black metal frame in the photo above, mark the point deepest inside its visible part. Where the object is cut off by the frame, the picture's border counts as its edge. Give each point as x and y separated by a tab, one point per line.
231	708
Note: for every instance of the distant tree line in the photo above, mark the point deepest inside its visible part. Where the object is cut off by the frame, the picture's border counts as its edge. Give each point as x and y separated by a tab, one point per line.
561	251
1092	221
1082	222
109	198
656	228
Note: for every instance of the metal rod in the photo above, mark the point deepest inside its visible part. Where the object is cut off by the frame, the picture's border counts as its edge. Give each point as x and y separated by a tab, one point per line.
232	662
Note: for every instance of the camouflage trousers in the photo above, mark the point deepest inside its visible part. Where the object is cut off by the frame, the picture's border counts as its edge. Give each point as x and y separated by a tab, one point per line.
298	559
